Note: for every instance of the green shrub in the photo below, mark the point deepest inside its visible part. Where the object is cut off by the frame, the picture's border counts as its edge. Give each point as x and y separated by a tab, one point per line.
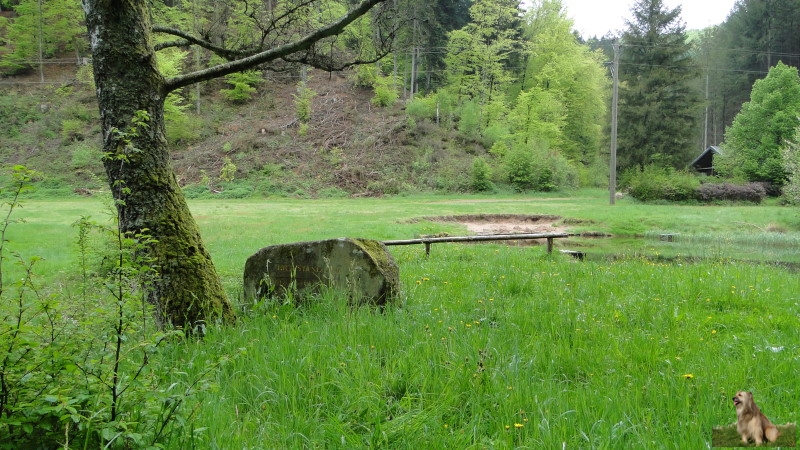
72	130
332	192
422	108
237	191
87	381
452	177
538	170
228	171
16	111
302	102
481	175
85	155
243	86
385	91
195	191
180	126
386	186
714	192
469	120
494	134
81	112
365	76
593	175
660	183
85	76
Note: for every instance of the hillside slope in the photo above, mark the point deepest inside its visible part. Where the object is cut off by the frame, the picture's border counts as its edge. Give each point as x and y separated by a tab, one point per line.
348	147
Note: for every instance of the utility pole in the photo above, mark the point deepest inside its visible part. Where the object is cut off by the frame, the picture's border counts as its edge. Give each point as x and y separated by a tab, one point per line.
705	125
41	52
612	160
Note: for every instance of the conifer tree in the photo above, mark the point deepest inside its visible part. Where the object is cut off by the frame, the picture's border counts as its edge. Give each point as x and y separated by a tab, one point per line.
658	109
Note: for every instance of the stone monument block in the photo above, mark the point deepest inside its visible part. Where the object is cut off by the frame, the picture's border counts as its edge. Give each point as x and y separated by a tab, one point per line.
362	267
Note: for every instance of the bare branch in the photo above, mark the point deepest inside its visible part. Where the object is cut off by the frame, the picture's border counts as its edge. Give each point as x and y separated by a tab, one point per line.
192	40
281	52
170	44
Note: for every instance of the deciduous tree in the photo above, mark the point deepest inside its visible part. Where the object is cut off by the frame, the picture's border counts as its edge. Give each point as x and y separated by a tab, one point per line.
131	91
481	54
755	37
40	30
570	73
763	127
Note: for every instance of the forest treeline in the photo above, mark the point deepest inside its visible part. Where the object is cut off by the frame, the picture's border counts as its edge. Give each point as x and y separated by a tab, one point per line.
521	84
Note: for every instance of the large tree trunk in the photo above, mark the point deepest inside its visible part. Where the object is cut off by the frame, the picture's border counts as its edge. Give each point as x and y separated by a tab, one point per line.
130	93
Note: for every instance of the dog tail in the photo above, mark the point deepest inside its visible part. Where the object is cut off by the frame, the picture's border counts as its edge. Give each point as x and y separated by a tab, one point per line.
772	433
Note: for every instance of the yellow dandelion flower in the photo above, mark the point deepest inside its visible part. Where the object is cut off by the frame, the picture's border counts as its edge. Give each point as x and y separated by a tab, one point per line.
508	427
688	376
518	425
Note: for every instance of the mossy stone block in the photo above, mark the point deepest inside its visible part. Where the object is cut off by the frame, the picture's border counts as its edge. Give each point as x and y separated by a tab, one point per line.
362	267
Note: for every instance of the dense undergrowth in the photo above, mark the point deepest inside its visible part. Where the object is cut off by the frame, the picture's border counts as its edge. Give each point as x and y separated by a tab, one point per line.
75	357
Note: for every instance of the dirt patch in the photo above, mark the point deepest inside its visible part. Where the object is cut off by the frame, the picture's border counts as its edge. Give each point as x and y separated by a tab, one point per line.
484	224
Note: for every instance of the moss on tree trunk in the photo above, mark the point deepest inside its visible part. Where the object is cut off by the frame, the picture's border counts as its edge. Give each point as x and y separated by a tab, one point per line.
130	92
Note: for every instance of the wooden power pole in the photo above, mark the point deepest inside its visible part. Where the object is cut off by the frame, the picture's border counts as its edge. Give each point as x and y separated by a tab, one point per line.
612	160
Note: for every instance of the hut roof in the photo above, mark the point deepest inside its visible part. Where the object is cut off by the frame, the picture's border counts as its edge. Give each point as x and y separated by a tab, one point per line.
712	149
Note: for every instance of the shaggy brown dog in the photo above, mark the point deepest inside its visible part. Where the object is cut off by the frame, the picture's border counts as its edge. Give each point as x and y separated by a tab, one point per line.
752	423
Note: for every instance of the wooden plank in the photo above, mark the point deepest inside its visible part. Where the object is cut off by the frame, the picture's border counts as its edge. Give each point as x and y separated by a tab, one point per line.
479	238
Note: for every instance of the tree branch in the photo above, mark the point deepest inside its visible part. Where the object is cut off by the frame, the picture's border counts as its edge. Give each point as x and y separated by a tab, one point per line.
170	44
189	40
280	52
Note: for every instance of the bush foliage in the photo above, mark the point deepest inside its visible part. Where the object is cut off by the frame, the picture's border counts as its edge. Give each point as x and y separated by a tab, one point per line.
660	183
714	192
243	86
538	170
75	364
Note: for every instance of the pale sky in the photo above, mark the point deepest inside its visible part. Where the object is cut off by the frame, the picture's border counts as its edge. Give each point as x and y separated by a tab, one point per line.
596	17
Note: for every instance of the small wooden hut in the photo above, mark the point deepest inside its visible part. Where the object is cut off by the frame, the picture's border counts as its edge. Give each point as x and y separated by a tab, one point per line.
705	162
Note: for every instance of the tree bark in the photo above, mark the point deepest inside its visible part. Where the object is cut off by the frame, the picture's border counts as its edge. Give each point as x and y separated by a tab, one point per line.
130	93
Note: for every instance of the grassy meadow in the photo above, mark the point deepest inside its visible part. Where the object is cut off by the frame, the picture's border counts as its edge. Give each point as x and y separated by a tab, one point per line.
492	346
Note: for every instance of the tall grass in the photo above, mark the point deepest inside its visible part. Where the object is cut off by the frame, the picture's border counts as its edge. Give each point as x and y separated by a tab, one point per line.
491	346
499	347
748	245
